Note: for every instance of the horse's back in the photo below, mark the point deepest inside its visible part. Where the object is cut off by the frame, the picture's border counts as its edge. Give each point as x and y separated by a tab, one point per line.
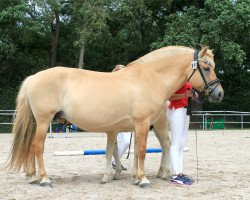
94	100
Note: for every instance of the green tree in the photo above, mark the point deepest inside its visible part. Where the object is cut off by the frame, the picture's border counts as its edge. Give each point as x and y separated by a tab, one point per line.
37	34
223	25
22	47
133	26
89	20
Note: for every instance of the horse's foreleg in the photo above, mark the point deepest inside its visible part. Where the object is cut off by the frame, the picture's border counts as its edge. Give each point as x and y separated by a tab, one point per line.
40	136
161	132
141	141
118	167
109	152
135	166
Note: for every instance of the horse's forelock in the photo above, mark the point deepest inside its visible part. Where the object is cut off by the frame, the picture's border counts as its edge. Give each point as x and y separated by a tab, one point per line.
210	54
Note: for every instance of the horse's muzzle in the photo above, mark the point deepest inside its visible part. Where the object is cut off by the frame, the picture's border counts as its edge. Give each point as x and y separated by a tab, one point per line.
217	94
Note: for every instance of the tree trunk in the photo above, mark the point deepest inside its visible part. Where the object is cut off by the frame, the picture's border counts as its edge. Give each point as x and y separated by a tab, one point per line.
55	30
81	57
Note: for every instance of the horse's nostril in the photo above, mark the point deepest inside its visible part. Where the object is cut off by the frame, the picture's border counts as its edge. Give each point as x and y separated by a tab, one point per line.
221	94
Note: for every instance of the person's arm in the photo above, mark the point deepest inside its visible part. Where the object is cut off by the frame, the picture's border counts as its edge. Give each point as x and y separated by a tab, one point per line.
179	96
187	94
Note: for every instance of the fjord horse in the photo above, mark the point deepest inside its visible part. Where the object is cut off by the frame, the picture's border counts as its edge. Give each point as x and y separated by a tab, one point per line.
130	99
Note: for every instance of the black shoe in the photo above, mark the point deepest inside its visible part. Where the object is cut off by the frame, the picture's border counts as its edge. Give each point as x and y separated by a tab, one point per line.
113	165
123	168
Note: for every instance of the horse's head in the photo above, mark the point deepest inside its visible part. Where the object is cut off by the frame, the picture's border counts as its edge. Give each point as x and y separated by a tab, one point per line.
202	76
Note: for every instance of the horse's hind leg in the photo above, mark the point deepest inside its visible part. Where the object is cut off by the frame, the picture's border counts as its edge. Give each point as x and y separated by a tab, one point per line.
40	136
109	152
161	132
118	167
30	169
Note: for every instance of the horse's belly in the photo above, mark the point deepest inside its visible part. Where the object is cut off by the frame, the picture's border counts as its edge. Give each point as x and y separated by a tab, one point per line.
99	122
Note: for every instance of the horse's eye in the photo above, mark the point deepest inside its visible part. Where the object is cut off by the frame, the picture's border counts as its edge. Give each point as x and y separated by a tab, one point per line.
207	68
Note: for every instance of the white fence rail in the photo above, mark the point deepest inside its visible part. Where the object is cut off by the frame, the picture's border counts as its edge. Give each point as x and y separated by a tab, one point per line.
224	118
204	119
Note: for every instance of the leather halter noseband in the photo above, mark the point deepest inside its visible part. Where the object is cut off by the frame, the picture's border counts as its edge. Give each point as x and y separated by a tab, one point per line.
208	90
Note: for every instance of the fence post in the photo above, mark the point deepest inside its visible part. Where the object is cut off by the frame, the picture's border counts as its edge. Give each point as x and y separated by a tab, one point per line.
242	122
203	122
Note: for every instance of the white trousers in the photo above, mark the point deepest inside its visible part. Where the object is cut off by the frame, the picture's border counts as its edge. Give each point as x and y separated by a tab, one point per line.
123	140
179	124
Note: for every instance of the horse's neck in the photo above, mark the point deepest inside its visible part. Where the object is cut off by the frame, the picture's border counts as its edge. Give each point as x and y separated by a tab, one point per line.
172	72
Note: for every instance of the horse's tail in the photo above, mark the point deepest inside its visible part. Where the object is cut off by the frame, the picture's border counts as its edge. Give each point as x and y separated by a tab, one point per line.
23	129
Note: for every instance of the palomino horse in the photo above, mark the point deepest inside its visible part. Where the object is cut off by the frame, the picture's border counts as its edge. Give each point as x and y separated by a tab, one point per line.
135	99
161	132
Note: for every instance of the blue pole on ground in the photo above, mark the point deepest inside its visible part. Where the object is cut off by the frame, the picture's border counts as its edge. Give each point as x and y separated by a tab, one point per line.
101	151
97	152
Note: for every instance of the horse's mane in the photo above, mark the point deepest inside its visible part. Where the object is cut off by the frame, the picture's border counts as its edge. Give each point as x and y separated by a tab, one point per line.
167	51
162	53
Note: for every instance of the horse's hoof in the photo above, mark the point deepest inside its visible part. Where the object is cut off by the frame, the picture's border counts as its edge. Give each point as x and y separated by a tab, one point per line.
32	179
145	185
160	172
117	177
107	178
45	184
159	175
164	175
104	180
137	181
34	182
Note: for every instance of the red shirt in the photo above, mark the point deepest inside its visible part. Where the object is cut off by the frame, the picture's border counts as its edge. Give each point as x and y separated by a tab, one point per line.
180	103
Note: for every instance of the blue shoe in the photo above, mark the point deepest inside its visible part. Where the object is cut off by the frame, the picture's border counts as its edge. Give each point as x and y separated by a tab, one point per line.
189	180
181	180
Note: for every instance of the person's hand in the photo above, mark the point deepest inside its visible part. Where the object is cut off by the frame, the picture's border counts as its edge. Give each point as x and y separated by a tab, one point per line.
192	94
189	93
195	95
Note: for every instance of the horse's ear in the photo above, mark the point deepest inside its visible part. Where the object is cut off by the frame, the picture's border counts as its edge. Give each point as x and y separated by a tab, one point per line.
203	51
198	46
118	67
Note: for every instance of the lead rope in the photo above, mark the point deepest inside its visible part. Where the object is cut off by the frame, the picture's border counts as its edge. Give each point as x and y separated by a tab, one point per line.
196	143
129	145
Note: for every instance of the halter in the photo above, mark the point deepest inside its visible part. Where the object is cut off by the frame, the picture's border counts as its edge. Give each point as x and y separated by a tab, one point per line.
207	91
